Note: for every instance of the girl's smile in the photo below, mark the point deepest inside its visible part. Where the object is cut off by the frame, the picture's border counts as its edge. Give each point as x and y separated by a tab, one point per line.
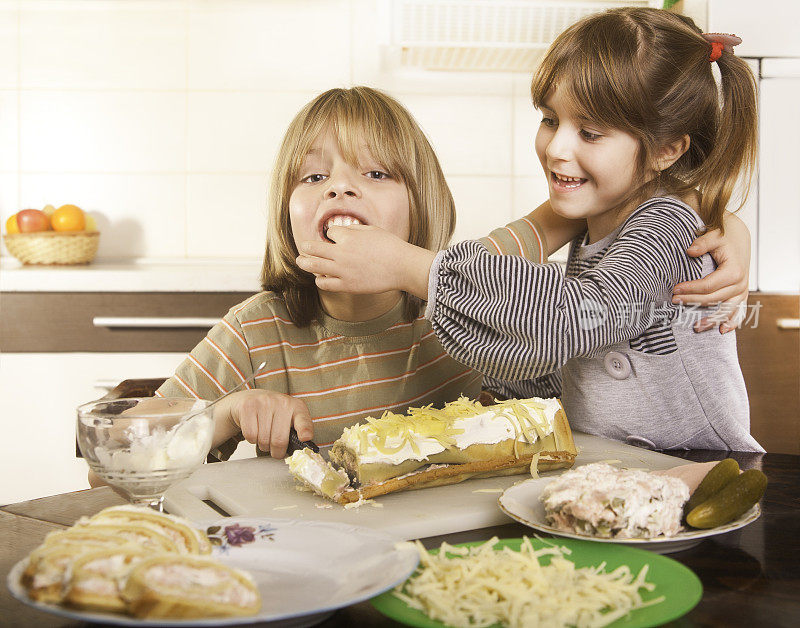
562	183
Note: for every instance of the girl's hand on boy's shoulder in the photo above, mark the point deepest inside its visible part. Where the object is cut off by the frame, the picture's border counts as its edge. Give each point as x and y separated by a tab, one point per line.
265	417
728	286
366	260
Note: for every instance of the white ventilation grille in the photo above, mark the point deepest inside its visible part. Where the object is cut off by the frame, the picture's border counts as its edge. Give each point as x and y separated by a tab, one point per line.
497	35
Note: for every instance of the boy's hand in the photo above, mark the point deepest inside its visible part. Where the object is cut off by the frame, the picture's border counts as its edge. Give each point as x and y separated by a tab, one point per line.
366	260
264	418
728	285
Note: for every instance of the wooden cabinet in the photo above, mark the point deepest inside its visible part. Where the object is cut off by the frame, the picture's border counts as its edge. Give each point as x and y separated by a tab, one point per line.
110	321
770	357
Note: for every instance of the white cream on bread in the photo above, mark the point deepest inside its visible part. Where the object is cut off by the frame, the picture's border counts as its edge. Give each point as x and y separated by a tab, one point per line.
460	424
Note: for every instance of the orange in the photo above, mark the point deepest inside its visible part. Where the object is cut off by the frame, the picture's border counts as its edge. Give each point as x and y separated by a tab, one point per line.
11	224
68	218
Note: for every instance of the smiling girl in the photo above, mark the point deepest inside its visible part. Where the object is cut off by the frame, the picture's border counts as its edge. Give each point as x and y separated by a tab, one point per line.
639	141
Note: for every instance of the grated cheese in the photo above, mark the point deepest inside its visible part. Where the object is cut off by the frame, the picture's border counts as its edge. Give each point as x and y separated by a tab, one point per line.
481	586
535	465
363	502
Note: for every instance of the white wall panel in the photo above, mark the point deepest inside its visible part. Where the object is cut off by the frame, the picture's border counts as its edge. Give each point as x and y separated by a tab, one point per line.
470	134
239	131
103	131
482	204
280	45
41	457
9	44
226	216
9	119
103	45
9	203
779	187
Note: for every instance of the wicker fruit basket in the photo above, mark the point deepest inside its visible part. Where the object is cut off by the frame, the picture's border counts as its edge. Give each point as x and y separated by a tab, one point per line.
53	247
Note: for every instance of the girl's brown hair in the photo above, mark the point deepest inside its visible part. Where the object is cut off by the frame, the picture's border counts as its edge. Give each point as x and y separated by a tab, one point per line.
360	115
647	72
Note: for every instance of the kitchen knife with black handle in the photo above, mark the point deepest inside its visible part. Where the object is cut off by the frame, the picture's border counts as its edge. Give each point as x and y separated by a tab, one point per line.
295	443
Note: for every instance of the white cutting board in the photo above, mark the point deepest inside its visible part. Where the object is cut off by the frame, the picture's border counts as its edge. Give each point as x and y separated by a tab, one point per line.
263	487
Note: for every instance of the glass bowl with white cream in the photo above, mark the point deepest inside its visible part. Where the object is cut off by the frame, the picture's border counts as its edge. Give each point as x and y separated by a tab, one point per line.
143	445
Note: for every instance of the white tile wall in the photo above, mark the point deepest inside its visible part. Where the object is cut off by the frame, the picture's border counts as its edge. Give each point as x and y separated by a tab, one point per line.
238	131
162	117
9	45
483	203
103	45
102	131
226	215
280	45
9	145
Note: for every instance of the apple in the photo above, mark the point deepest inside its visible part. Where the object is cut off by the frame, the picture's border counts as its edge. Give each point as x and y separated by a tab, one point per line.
32	220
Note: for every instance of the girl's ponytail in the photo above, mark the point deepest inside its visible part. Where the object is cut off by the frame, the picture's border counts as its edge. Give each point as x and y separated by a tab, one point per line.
735	145
649	72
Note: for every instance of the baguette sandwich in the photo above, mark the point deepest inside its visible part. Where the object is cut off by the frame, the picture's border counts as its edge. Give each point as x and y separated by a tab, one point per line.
432	447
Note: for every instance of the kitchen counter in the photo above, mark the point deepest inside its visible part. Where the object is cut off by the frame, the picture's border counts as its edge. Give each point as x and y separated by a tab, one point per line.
749	576
166	275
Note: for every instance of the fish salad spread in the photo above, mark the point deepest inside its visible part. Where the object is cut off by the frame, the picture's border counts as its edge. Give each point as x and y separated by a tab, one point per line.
603	501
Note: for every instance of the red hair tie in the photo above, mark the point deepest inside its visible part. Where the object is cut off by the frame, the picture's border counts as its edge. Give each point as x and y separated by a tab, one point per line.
720	42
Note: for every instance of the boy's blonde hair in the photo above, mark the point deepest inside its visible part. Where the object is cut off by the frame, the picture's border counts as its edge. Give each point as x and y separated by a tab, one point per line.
647	72
360	115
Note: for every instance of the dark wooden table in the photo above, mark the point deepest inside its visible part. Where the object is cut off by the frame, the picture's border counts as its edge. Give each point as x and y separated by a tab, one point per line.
751	577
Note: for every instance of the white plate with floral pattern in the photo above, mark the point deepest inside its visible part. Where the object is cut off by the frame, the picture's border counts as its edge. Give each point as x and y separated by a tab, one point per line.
521	502
304	570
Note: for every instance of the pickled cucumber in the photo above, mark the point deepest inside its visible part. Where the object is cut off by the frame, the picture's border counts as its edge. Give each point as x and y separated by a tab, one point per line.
720	474
735	498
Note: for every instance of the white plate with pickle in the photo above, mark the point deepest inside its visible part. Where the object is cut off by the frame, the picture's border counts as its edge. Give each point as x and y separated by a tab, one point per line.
521	502
304	570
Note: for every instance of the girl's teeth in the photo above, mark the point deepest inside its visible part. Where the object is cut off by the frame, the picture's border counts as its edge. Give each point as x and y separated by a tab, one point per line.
569	182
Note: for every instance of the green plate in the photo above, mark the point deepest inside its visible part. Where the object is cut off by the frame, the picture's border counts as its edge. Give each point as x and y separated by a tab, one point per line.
679	585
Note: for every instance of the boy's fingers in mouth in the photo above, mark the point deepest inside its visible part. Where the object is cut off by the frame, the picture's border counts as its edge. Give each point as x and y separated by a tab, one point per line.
337	233
316	265
313	248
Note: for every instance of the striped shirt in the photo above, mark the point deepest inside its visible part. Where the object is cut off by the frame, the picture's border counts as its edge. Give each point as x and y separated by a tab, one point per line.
631	365
343	371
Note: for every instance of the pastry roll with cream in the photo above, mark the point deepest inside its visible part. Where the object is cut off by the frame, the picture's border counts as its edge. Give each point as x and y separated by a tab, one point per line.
48	568
185	538
143	536
183	587
97	575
